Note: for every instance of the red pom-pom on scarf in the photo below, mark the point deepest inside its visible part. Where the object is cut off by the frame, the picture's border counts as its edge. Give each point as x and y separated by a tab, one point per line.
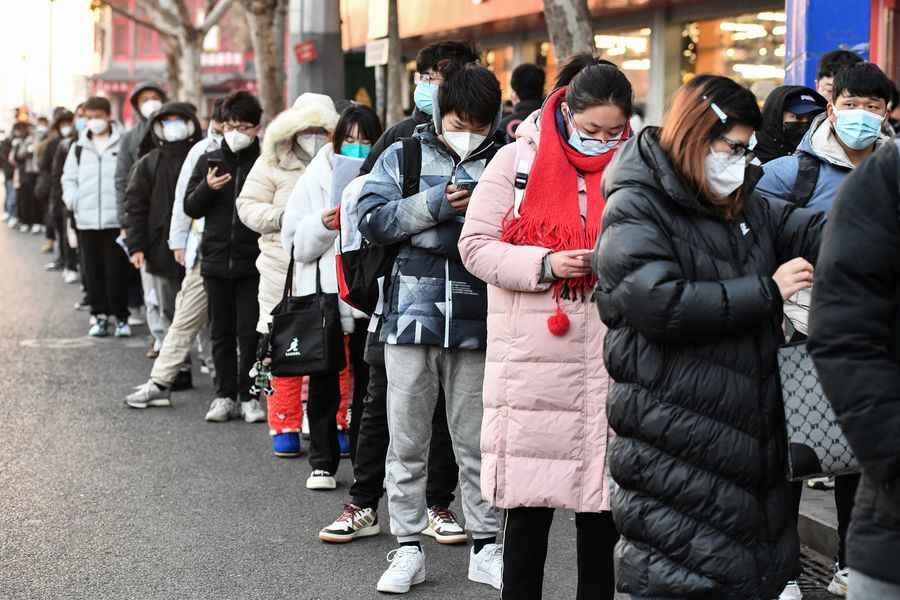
558	324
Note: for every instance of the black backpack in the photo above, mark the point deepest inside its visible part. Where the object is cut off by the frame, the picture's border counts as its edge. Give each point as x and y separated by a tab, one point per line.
359	269
807	177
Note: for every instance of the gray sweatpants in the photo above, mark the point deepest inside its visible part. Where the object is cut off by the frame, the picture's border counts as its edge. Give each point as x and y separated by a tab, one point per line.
863	587
415	376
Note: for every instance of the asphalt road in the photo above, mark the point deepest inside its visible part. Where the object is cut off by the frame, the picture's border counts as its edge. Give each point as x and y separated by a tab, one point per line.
98	501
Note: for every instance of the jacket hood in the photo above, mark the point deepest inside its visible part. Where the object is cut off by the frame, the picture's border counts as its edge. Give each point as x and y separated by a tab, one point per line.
153	136
439	128
309	111
770	138
142	87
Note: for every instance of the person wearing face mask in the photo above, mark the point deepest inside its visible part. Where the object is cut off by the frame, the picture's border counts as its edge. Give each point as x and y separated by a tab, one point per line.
228	252
433	322
88	185
529	233
430	61
46	151
292	140
149	197
68	256
309	230
171	370
836	144
692	268
787	114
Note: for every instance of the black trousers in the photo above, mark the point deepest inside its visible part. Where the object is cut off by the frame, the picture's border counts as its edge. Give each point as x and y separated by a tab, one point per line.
27	210
106	272
372	445
360	371
67	255
845	487
233	312
525	552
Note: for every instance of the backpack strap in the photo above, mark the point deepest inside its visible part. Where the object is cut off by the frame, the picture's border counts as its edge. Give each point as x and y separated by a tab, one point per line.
523	168
412	165
807	177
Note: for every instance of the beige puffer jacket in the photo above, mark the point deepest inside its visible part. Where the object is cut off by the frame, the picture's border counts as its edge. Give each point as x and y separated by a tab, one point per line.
268	187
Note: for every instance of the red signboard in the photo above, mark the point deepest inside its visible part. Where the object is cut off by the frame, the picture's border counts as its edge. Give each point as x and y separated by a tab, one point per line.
306	52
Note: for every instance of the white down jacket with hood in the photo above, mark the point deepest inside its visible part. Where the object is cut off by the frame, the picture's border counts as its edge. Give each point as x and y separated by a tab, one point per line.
268	187
89	181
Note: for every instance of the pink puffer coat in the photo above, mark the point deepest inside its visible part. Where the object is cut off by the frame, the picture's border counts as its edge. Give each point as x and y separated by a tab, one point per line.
545	434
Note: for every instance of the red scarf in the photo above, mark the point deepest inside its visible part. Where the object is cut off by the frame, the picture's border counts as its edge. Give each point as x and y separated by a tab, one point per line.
550	213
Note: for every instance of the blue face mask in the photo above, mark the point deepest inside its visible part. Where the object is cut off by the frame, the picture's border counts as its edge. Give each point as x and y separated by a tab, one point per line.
356	150
857	128
424	97
588	145
80	124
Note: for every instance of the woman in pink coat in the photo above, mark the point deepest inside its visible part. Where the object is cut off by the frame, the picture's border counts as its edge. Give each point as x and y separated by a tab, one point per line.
530	227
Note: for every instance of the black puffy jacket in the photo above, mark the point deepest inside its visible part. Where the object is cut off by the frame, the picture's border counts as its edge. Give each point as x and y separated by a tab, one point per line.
694	316
854	340
229	248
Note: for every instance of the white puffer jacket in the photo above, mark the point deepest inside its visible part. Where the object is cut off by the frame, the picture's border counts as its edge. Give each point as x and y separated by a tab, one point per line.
267	189
89	182
303	230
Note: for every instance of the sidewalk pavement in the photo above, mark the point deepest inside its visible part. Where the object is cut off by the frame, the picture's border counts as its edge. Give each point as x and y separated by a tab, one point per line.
818	521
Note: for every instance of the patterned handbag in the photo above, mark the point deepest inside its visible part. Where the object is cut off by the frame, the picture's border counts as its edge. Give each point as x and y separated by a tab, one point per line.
817	446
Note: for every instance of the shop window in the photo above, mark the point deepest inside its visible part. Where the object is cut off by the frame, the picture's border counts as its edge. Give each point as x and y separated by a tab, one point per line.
630	51
749	48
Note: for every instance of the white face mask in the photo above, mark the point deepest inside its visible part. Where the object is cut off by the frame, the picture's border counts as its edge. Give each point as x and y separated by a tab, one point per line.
98	126
149	107
311	143
237	141
65	130
724	172
463	142
175	131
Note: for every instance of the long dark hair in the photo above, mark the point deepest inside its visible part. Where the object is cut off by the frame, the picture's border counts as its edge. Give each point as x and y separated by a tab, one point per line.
356	114
691	125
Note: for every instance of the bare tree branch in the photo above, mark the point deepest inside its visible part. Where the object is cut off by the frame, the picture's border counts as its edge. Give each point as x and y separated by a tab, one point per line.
136	19
162	12
214	16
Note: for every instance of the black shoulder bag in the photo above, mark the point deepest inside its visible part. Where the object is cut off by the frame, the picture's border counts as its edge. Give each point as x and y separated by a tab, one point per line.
306	337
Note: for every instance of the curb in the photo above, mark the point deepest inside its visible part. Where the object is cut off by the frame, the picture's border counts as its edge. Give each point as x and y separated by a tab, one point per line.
817	534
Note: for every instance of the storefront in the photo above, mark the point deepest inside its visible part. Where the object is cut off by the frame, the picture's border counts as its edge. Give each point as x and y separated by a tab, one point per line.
659	44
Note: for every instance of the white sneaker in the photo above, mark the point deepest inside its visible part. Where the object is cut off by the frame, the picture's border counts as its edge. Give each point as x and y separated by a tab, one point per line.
252	412
444	527
36	229
100	327
838	585
407	569
149	394
354	522
123	330
12	223
220	410
320	480
791	592
70	277
487	566
135	319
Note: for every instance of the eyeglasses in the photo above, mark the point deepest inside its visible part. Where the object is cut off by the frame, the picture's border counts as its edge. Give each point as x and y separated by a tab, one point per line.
435	78
739	149
242	127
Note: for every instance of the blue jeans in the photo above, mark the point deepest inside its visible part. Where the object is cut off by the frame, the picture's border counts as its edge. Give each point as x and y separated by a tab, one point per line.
863	587
10	204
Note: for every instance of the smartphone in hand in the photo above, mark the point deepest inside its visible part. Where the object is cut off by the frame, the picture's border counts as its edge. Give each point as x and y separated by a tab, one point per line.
218	164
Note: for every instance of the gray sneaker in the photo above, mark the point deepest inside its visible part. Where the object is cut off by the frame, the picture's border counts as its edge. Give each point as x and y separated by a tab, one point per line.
149	394
220	410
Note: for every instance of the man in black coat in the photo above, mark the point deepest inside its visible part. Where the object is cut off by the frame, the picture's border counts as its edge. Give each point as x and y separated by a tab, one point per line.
229	250
149	197
527	83
854	340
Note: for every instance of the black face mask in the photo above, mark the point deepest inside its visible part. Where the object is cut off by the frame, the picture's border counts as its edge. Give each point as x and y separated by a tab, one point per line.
794	132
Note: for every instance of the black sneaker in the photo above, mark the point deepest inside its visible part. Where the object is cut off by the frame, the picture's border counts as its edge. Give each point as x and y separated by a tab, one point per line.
183	381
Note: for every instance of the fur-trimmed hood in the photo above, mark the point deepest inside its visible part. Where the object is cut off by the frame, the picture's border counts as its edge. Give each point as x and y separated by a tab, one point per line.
309	111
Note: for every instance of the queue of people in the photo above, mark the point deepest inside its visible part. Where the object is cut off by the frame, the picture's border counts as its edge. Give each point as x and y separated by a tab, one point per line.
572	314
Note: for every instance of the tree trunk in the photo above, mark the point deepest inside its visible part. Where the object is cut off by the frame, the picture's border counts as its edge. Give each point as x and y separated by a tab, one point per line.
173	66
267	38
396	68
569	26
191	73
